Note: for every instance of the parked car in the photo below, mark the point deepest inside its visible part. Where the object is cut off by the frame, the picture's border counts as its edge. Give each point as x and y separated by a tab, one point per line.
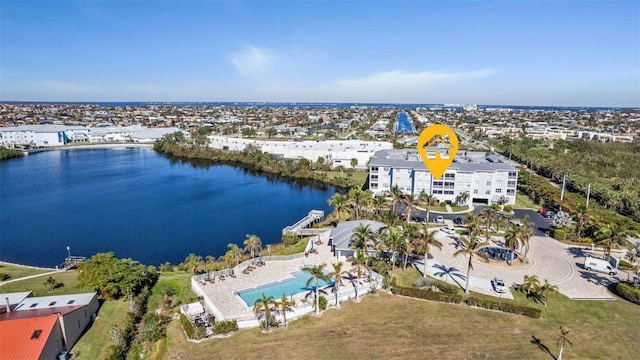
440	220
448	230
417	219
542	210
458	221
499	286
549	214
515	223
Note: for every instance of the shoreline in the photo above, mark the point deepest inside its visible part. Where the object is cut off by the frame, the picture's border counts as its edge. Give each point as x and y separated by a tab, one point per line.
98	146
2	262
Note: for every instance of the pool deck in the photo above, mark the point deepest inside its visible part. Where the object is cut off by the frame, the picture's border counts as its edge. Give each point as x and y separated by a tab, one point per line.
223	292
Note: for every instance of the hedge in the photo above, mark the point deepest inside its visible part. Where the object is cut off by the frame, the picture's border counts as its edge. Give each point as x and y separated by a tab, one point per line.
625	264
441	285
223	327
504	307
427	294
559	234
628	292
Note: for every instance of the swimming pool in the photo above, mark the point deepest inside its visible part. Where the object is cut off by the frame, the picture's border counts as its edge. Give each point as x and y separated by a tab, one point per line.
276	289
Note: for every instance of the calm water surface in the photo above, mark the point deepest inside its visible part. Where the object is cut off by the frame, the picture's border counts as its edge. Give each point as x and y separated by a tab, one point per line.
139	204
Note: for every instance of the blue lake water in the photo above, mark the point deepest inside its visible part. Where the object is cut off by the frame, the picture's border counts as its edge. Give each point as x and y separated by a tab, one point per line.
403	124
139	204
289	287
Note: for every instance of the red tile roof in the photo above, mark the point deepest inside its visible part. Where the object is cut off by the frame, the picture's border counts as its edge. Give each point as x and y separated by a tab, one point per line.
16	341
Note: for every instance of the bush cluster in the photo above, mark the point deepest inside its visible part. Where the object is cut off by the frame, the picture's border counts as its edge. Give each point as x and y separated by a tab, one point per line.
4	276
427	294
224	327
559	234
628	292
439	284
193	332
625	265
504	307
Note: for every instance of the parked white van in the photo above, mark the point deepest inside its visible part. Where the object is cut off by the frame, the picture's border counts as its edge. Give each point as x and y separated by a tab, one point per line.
599	265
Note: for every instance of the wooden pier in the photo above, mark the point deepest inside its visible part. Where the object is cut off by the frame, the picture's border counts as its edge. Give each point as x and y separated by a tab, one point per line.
71	262
313	216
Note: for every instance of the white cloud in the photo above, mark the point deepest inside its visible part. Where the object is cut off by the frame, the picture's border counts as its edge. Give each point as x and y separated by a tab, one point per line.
252	60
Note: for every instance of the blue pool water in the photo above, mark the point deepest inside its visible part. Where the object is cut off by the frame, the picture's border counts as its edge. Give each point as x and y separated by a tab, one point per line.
276	289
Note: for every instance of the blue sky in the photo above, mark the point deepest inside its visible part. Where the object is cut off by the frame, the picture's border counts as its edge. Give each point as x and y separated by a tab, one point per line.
573	53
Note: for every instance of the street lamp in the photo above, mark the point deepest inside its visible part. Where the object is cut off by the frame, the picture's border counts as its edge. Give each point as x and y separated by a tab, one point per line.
69	251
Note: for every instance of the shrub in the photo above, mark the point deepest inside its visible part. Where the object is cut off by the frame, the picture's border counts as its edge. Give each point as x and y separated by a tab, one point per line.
224	327
4	276
559	234
439	284
443	204
625	265
504	307
322	301
289	238
427	295
508	208
628	292
166	267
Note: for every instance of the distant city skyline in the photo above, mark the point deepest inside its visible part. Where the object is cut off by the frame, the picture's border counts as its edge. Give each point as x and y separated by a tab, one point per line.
567	53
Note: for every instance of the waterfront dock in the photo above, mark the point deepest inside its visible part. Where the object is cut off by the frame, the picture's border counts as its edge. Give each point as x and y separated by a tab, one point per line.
313	216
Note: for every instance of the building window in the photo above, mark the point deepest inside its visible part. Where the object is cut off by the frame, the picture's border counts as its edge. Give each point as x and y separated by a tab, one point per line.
513	174
489	183
374	168
374	177
374	185
498	182
449	176
437	191
498	191
511	183
475	191
511	192
437	183
448	192
386	168
385	186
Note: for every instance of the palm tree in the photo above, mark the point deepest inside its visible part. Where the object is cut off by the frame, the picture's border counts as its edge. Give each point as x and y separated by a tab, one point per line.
488	215
562	340
526	233
252	244
210	261
193	261
317	274
358	199
610	236
358	261
236	252
472	247
396	196
461	199
337	275
474	223
340	203
512	239
427	200
546	290
411	202
389	218
264	304
583	216
392	240
361	237
531	284
410	232
379	204
51	283
284	304
425	242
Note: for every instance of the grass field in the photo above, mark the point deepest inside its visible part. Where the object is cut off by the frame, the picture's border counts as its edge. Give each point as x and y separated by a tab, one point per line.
523	202
68	278
387	326
96	340
17	271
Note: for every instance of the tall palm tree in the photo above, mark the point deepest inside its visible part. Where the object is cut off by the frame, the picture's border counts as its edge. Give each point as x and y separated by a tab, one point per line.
488	215
389	218
409	232
210	261
611	235
462	198
474	223
472	247
546	290
562	340
425	242
252	244
340	203
193	261
583	216
512	239
283	305
236	252
358	261
530	285
392	240
411	201
526	233
337	275
361	237
427	200
358	199
264	304
380	203
317	274
396	196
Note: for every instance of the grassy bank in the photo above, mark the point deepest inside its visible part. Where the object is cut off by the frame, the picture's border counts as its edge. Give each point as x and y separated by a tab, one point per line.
18	271
94	344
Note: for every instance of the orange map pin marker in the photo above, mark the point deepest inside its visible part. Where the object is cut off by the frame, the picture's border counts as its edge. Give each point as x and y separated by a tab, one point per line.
432	142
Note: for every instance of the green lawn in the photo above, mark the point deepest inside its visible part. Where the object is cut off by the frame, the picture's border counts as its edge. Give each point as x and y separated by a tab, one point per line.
17	271
386	326
68	278
294	249
93	345
523	202
459	208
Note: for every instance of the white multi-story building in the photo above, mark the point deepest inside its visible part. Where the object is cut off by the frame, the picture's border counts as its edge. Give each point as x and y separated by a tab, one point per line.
337	152
486	177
